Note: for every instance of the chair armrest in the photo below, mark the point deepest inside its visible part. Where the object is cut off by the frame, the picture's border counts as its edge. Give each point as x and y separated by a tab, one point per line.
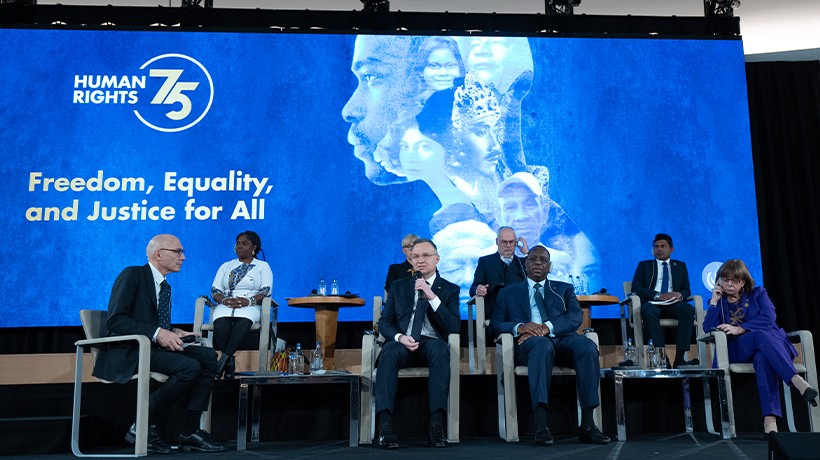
592	335
369	353
454	342
142	340
720	349
199	314
699	312
807	352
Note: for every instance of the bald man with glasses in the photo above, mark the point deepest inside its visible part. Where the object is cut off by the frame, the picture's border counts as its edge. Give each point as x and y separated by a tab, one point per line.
140	304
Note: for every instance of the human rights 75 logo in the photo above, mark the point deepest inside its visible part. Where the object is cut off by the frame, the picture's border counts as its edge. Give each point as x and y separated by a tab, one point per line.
183	92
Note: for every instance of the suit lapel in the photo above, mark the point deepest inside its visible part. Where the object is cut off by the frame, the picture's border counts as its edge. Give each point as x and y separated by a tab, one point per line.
149	280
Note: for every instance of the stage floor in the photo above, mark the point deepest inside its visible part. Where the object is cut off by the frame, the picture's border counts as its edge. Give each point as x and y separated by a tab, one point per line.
666	446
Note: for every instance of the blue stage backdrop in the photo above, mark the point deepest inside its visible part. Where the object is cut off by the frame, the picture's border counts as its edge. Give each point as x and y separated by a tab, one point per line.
332	147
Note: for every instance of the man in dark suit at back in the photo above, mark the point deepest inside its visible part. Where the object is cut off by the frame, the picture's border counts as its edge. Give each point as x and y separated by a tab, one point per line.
403	269
419	314
497	270
140	304
663	286
543	317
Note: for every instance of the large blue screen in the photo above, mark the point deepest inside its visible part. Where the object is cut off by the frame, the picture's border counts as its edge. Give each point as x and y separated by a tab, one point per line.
333	147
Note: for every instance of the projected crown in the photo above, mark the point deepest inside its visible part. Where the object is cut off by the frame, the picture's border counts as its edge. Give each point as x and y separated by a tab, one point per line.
474	101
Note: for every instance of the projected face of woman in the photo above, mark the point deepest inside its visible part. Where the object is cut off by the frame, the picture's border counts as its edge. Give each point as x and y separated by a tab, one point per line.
480	145
421	157
441	69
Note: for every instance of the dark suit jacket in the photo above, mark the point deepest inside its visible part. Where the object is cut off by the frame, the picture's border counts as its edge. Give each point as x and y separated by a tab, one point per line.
513	307
132	309
493	271
396	272
395	318
643	283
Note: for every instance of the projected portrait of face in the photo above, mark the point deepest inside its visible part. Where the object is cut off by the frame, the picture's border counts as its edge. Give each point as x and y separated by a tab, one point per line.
421	158
439	64
385	84
498	61
460	245
522	206
476	116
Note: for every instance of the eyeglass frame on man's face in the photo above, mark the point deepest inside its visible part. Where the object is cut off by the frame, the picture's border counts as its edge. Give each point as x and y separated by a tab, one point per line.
423	256
180	251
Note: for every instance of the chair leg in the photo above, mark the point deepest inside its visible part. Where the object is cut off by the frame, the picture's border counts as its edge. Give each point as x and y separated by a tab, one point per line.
455	390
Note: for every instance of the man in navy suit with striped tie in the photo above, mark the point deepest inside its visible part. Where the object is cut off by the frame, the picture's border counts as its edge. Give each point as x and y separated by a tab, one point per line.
663	286
543	317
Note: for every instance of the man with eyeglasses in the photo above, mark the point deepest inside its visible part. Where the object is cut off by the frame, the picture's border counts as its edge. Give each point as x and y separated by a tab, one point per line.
419	314
140	304
503	268
543	317
404	269
663	286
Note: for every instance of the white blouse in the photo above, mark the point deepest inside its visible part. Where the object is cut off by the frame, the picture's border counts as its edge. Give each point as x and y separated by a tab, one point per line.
258	280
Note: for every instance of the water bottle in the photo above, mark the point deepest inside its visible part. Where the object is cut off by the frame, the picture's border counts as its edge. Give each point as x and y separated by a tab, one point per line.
297	361
316	360
652	361
630	353
334	287
579	286
322	288
292	362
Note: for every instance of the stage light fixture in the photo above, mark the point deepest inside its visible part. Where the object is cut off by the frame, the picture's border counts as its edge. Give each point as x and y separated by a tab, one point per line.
564	7
376	6
722	8
196	3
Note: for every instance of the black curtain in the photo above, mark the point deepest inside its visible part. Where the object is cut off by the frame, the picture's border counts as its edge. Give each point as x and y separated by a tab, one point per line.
784	108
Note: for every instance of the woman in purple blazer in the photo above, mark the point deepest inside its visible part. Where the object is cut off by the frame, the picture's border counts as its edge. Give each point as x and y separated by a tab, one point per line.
746	314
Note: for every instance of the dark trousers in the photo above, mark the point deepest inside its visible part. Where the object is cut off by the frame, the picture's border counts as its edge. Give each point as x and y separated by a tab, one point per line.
432	353
681	311
190	374
229	332
540	354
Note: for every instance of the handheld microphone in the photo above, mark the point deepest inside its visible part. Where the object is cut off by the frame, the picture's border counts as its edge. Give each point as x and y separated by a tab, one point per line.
602	291
418	276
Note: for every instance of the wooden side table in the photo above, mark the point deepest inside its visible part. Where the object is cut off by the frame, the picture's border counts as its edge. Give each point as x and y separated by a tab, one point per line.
327	318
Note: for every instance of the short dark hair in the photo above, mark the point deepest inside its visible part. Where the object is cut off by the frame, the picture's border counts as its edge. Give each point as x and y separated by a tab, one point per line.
255	240
425	240
663	236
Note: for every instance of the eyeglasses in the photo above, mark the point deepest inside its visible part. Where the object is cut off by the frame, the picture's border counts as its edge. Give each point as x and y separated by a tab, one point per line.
423	256
180	251
729	281
407	246
507	242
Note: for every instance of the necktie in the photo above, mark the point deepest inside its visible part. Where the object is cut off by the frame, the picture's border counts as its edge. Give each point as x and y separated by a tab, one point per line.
665	279
164	305
539	302
507	260
418	317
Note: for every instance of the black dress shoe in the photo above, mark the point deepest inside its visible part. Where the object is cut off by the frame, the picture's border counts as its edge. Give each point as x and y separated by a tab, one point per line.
155	443
810	396
230	370
543	437
684	364
200	440
388	439
221	365
592	436
436	436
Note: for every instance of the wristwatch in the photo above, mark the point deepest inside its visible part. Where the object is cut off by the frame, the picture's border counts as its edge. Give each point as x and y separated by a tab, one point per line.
657	296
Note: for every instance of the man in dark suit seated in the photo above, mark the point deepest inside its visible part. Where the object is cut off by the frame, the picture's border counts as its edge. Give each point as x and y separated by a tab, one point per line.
419	315
543	316
663	286
495	271
140	304
404	269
